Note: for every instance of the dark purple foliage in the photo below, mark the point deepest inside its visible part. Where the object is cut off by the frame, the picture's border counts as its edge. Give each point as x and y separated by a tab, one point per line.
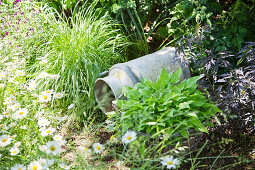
229	78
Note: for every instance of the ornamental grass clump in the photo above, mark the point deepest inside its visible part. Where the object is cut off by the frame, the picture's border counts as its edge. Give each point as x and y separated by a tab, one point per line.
79	48
166	108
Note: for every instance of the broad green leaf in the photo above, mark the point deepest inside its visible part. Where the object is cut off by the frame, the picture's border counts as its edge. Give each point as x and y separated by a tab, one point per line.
176	76
199	125
195	121
191	82
192	114
163	78
184	105
170	113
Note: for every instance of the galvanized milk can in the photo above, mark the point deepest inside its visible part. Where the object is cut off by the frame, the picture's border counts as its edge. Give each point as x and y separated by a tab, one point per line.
150	66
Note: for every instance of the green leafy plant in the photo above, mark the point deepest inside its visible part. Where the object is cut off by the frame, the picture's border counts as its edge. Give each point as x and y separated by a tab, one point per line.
165	107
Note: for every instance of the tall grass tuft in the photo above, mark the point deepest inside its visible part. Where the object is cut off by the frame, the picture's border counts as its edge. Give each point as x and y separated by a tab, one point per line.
78	49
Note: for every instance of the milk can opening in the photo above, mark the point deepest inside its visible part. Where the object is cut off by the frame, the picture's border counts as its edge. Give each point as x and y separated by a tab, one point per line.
104	95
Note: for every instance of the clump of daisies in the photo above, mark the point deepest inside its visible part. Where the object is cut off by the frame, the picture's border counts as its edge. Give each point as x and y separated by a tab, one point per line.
47	95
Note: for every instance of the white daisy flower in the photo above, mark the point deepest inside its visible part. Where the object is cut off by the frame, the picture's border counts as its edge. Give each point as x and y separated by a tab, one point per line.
119	163
1	85
169	162
13	99
43	75
20	72
70	106
21	113
32	85
7	101
128	137
2	75
49	91
15	106
12	124
19	167
6	114
14	151
42	148
48	131
62	118
64	166
44	61
44	97
98	148
43	162
23	127
35	165
5	140
53	147
85	149
57	137
17	144
55	76
58	95
43	122
4	129
1	117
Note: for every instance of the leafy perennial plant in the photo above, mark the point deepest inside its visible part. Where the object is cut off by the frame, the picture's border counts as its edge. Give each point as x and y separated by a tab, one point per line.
165	107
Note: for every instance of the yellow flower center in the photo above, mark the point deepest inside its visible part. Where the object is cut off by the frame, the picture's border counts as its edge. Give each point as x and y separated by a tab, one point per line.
16	107
45	97
4	140
19	168
34	167
48	131
12	98
14	152
2	125
98	147
52	148
21	113
59	95
85	149
3	129
6	113
129	138
47	91
170	163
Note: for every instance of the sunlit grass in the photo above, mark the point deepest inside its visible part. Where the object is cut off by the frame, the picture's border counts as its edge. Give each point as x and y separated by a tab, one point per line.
78	49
